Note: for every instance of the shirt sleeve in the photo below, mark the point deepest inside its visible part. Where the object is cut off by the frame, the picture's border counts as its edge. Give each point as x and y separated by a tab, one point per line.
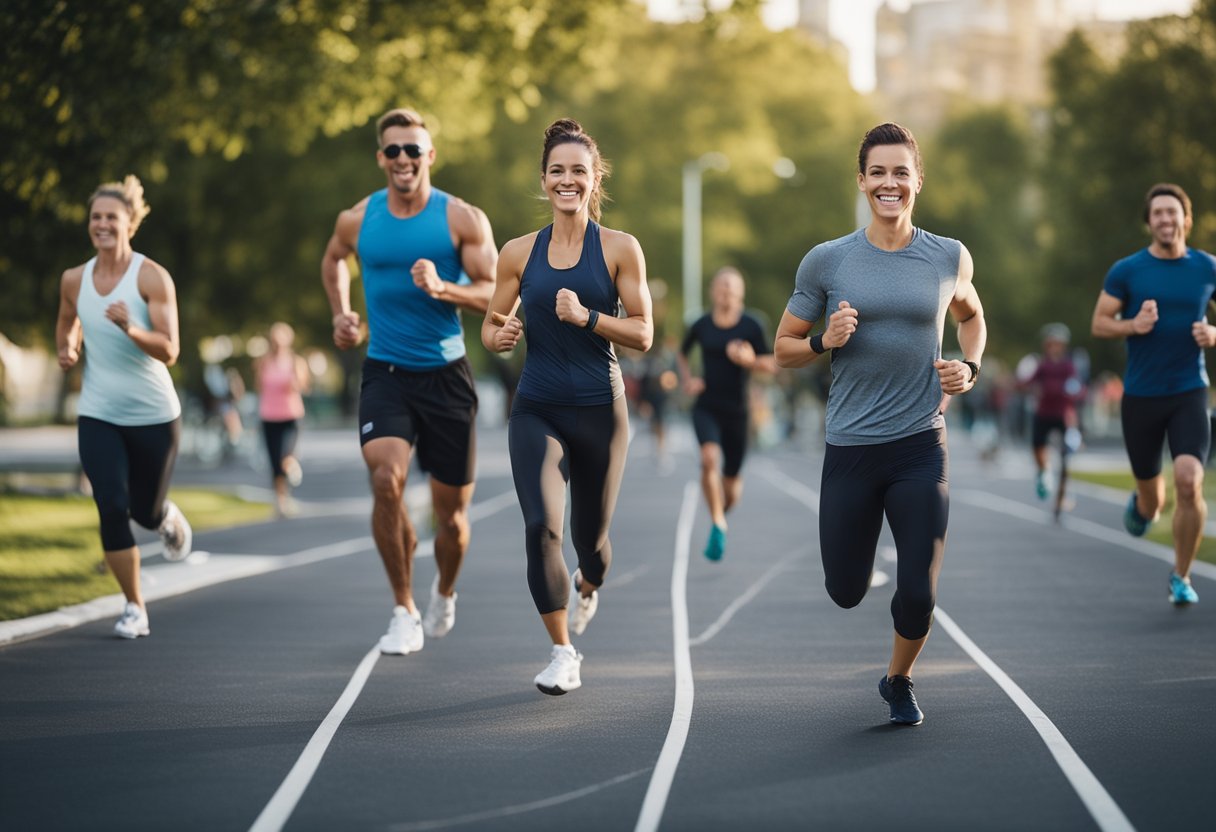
810	296
759	339
689	338
1115	284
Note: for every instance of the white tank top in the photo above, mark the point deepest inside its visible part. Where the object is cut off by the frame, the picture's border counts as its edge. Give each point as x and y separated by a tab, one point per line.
123	385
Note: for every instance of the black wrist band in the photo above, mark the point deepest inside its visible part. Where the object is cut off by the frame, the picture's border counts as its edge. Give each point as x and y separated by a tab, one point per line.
817	344
975	370
593	316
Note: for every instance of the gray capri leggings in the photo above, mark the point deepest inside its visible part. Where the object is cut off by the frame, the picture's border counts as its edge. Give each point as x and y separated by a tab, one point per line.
552	445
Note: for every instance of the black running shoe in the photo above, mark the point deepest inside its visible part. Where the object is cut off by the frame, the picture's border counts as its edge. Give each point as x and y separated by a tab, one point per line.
896	691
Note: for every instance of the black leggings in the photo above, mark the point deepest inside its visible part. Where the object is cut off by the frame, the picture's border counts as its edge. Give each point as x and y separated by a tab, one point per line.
280	443
551	445
907	480
129	468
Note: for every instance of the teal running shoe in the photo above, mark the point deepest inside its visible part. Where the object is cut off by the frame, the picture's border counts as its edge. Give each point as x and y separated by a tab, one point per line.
1132	521
715	547
896	691
1041	486
1181	591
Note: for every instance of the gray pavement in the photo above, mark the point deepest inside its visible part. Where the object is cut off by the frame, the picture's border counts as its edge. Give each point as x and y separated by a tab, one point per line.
198	726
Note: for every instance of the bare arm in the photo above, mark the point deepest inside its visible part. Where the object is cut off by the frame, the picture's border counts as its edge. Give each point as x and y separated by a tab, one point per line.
335	276
791	348
501	330
68	334
626	261
303	375
955	376
478	258
161	341
1107	323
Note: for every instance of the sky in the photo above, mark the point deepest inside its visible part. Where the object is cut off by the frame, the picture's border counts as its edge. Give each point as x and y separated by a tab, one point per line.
852	21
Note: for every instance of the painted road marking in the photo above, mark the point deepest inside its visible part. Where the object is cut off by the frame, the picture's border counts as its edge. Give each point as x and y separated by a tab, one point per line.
681	716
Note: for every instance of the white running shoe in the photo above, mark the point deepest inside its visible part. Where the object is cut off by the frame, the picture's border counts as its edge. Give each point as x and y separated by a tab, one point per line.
134	622
440	613
404	634
581	608
175	533
561	676
293	471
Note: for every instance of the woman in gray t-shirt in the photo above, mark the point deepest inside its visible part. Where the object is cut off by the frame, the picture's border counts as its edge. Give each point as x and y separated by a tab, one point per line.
884	291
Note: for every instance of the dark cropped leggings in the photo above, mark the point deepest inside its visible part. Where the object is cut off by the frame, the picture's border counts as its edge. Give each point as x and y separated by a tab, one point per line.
129	469
907	481
280	443
552	445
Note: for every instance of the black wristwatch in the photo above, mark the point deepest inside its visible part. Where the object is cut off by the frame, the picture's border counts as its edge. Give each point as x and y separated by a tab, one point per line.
975	371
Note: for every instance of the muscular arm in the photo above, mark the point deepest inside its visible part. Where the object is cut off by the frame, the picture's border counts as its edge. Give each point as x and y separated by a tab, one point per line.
161	341
1107	322
636	330
791	348
969	312
335	276
499	335
478	258
68	334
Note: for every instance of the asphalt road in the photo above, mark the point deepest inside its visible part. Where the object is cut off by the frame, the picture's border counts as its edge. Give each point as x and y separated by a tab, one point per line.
1061	690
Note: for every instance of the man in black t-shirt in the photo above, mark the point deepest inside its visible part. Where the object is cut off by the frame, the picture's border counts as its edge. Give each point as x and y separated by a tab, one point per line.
732	344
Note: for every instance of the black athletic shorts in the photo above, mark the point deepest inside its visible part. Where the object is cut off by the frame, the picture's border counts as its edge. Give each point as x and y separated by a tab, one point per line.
434	410
1041	428
1148	421
725	428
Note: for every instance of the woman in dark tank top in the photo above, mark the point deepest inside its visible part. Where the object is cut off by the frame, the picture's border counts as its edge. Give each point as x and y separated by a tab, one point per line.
569	422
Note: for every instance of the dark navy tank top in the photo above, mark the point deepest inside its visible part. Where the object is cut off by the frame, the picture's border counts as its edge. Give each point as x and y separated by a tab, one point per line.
567	364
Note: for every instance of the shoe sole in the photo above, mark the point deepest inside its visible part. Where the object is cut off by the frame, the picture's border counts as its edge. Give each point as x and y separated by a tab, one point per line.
132	636
556	690
404	652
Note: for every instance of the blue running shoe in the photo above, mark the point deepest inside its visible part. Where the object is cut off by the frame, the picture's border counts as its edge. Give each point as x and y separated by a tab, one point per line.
1132	521
1041	487
715	547
1181	591
896	691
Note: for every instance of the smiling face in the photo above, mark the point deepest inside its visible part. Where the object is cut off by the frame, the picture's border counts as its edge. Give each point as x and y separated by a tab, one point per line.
406	176
890	181
569	180
109	223
1168	222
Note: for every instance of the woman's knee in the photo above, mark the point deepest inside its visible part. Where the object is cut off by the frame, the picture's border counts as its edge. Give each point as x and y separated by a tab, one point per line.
846	594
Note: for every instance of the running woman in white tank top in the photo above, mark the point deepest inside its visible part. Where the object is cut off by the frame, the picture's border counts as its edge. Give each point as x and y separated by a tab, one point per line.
122	309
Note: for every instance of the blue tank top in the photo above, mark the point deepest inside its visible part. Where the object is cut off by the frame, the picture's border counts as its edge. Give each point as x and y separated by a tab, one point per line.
1167	361
566	364
409	328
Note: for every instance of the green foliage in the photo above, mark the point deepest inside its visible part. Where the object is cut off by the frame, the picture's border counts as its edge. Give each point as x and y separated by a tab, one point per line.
1115	130
980	188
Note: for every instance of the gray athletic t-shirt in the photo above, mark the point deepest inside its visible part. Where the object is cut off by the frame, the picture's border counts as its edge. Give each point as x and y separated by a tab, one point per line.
884	386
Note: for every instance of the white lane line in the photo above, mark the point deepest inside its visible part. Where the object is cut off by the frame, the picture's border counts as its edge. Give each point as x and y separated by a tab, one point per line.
628	578
738	604
518	809
1097	800
1117	537
681	716
1106	813
802	493
285	798
292	789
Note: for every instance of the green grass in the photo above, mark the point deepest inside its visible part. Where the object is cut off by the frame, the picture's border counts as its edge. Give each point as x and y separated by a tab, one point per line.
1162	530
50	548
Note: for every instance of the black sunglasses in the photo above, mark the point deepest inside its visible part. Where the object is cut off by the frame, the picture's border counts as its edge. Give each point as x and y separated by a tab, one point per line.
392	151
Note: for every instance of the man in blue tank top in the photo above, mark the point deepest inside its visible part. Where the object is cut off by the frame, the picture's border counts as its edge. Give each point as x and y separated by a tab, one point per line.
423	255
1157	299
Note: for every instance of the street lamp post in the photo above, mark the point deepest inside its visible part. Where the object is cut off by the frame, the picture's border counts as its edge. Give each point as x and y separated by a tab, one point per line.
692	229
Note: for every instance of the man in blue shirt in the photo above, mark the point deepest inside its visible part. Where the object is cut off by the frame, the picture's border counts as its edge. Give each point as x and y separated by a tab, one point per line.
424	255
1157	299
